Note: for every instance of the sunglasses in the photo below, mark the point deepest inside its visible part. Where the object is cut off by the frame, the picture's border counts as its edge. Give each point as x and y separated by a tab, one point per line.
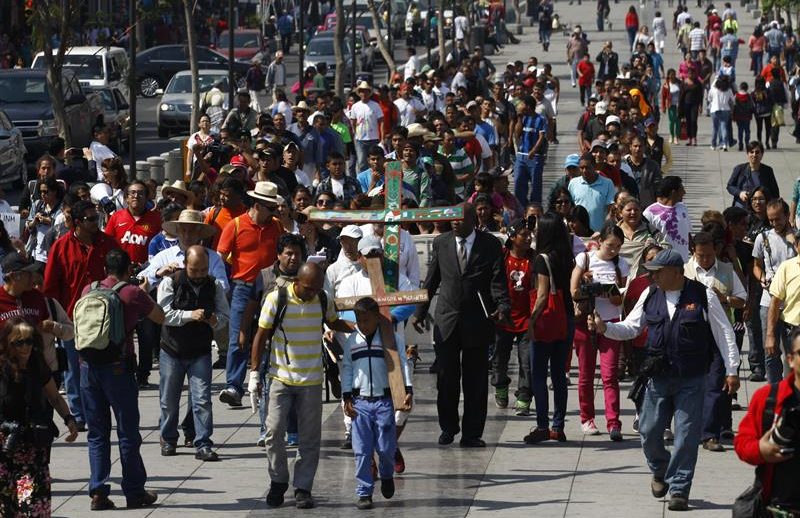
325	203
21	343
92	219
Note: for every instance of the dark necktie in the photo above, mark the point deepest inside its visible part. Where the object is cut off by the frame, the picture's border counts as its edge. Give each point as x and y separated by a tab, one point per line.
462	253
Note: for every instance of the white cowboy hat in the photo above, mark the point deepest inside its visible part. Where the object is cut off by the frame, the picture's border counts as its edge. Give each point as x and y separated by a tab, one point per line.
363	85
302	105
192	218
178	187
416	130
265	191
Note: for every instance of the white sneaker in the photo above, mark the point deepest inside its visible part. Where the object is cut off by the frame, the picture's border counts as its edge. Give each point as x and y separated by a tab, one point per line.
668	435
713	148
589	428
724	148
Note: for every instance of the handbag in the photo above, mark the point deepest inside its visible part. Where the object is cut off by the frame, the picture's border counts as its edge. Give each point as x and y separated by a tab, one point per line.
750	504
778	116
551	325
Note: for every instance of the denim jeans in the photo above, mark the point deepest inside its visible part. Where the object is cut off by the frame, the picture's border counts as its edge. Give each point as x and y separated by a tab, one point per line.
504	343
528	173
554	354
238	356
362	150
599	22
373	432
684	397
744	133
758	62
573	70
173	371
308	401
719	132
106	388
72	382
774	364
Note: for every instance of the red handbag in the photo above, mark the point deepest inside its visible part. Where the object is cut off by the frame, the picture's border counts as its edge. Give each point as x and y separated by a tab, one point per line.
551	325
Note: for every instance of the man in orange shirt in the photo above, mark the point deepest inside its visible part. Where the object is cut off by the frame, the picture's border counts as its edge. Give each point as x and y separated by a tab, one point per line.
231	192
249	243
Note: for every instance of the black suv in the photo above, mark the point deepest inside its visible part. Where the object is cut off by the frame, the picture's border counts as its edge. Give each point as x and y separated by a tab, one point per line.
156	66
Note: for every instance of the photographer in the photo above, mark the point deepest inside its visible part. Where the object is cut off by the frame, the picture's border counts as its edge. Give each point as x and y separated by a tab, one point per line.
681	316
773	450
114	175
43	214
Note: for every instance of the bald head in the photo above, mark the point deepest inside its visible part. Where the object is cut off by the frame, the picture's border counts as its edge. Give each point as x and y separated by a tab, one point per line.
310	278
196	262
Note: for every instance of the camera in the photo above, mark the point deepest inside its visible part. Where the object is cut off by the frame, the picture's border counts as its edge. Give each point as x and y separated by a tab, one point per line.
136	269
207	314
787	428
12	432
592	290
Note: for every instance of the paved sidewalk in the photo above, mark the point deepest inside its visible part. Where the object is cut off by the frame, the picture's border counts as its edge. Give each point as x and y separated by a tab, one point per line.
587	476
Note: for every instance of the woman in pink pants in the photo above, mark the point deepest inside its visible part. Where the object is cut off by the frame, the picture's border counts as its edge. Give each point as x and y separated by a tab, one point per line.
602	266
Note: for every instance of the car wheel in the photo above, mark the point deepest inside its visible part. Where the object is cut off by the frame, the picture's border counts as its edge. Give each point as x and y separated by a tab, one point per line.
163	132
148	86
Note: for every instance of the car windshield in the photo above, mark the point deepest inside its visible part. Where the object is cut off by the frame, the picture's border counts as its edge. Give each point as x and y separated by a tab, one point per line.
324	47
23	90
85	67
183	84
241	40
108	100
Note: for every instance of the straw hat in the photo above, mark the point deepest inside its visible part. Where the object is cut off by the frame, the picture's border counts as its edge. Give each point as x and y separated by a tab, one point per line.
193	219
363	85
178	187
302	105
265	191
416	130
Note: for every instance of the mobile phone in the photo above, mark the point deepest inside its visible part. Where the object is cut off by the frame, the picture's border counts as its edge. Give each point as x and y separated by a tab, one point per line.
786	451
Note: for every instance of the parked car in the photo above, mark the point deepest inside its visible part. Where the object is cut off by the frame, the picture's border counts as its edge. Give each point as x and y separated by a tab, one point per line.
12	152
156	66
366	59
96	67
246	44
320	50
175	109
25	99
116	115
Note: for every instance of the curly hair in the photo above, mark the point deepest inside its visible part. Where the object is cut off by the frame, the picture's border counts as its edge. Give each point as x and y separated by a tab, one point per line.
16	324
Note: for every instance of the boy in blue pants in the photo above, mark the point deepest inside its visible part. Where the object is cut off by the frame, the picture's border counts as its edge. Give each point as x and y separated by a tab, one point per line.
367	400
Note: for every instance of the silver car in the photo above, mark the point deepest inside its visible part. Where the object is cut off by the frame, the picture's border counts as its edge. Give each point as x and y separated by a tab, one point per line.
12	152
320	50
175	109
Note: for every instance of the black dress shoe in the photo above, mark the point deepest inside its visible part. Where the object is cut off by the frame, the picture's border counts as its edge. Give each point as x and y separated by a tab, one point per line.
102	503
276	492
446	438
188	442
146	499
387	487
206	454
472	443
168	450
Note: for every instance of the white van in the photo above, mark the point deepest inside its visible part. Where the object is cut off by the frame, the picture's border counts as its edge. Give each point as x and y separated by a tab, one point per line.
95	66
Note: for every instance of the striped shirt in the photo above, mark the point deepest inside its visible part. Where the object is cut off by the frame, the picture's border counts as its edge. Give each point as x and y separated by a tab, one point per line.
461	164
296	352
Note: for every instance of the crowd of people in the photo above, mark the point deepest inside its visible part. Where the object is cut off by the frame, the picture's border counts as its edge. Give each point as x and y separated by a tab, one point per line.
115	278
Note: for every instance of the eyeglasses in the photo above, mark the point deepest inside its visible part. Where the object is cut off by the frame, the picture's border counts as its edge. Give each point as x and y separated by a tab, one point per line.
325	203
137	194
19	344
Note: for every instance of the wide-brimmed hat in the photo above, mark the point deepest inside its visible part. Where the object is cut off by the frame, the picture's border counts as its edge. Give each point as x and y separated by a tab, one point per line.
265	191
302	105
178	187
416	130
193	218
430	136
363	85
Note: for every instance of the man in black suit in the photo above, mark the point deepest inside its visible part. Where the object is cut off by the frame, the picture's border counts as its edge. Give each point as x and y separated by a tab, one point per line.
468	266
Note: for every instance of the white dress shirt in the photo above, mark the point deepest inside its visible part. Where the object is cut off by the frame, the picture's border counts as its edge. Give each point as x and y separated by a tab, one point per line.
721	327
470	242
707	277
174	254
409	258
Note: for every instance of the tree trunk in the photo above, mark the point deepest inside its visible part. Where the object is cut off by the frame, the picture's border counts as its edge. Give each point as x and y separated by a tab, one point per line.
338	81
190	36
440	33
385	52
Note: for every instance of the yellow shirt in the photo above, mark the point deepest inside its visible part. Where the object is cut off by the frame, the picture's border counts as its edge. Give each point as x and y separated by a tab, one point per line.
786	286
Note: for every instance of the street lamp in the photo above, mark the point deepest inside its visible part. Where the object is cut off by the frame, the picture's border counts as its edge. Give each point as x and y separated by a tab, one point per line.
428	28
353	49
231	78
302	49
132	88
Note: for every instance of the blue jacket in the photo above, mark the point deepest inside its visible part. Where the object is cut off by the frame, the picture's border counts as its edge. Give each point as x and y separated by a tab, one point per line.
364	368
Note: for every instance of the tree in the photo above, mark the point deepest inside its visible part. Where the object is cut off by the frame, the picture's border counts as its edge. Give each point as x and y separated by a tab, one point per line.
191	39
338	80
387	56
440	32
52	22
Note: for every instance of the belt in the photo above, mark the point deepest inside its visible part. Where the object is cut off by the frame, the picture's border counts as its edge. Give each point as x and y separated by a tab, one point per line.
239	282
386	394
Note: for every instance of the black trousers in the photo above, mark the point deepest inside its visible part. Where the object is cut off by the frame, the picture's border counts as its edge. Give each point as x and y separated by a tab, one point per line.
717	402
466	368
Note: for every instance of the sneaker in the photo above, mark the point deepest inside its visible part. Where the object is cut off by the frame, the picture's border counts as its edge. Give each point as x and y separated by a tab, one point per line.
399	462
387	488
537	435
589	428
291	439
615	434
522	408
364	503
724	148
347	443
678	503
668	435
276	492
713	148
303	499
261	442
558	435
635	424
501	397
230	397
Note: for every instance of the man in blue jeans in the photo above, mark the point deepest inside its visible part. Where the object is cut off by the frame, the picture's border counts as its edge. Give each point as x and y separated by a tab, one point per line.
683	318
531	133
195	306
111	386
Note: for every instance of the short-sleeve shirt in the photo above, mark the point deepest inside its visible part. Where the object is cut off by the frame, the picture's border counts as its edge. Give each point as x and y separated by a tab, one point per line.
604	272
251	247
30	305
595	197
778	251
673	223
367	116
296	354
136	303
134	235
786	286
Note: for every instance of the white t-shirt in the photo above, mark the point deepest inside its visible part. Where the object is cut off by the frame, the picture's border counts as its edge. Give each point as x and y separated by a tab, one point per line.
337	187
367	116
673	223
408	110
462	24
603	272
100	152
411	67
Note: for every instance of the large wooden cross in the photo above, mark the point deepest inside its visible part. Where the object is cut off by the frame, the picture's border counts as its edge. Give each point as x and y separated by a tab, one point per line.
384	281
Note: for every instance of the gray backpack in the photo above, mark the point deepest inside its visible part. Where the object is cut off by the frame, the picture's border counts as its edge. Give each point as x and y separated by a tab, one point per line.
99	320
